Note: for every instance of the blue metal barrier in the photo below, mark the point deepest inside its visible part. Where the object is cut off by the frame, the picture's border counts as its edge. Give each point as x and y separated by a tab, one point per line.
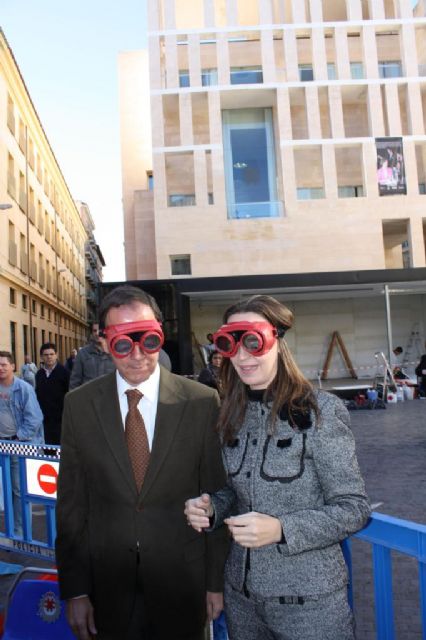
385	534
37	465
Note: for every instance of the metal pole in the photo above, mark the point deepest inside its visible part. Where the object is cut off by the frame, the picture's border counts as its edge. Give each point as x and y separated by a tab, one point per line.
388	324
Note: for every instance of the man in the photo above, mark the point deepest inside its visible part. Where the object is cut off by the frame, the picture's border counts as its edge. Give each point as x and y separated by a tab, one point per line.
28	371
129	566
20	420
421	375
92	361
69	362
52	382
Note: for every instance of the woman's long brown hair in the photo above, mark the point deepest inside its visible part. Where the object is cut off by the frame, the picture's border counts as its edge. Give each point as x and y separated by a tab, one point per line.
289	387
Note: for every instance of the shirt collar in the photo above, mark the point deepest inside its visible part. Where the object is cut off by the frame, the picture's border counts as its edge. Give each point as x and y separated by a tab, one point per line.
149	388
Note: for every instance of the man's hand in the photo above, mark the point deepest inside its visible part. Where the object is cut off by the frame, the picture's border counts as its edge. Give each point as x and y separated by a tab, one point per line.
255	529
214	605
80	617
198	511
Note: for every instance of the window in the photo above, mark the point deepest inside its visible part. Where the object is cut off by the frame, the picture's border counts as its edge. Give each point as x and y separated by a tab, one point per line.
25	338
34	307
310	193
150	178
12	296
357	70
331	71
13	339
390	69
250	170
246	75
351	192
208	77
42	311
24	302
306	73
422	188
180	265
182	200
184	78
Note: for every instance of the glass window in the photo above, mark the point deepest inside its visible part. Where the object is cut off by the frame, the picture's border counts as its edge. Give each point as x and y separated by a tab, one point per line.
12	296
182	200
306	72
24	302
180	265
357	70
310	193
351	192
249	156
331	71
208	77
13	339
150	181
390	69
184	78
422	188
246	75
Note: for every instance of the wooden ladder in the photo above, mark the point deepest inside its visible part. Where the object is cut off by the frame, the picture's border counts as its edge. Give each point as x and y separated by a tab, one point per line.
336	339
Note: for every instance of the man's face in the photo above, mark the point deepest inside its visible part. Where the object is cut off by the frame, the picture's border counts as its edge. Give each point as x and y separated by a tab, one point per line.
50	358
137	366
95	332
6	371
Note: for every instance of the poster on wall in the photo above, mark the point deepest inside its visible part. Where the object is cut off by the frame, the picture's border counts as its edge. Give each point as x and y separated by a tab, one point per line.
390	166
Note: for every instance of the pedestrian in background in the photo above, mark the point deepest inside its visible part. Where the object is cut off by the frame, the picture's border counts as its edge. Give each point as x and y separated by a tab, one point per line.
69	362
52	382
29	370
21	420
92	361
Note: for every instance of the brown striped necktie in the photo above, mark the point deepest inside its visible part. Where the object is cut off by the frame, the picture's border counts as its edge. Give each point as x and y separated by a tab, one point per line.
136	437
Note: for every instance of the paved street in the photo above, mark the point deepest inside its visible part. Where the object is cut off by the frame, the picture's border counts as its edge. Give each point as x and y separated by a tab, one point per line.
391	448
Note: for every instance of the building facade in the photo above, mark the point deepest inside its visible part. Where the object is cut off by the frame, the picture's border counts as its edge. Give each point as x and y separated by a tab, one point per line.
94	261
279	146
42	237
287	137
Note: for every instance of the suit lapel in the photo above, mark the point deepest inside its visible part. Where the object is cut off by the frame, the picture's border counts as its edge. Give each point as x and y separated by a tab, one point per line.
169	413
108	411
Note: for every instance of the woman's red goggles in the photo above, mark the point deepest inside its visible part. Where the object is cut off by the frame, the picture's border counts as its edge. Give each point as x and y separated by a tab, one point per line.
122	338
256	337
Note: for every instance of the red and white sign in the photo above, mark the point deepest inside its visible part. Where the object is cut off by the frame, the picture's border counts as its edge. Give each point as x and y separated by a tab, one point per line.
42	478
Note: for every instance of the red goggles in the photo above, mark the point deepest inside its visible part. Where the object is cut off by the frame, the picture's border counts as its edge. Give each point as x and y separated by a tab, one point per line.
122	338
256	337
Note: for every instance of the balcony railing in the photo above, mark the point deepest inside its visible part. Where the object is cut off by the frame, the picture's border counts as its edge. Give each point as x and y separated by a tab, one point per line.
273	209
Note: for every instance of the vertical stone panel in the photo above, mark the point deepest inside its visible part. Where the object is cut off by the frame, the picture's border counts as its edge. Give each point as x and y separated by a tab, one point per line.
336	111
329	171
342	53
171	62
268	58
222	58
369	49
194	59
313	112
200	177
185	119
319	57
375	111
290	54
415	109
393	110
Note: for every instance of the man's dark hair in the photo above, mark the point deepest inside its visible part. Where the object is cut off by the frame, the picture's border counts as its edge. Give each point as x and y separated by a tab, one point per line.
127	295
8	355
47	345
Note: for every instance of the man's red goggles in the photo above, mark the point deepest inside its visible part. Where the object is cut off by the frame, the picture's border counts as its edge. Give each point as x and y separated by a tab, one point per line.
122	338
256	337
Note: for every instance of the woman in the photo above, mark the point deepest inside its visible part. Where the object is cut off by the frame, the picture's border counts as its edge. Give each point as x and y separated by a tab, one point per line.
294	489
210	375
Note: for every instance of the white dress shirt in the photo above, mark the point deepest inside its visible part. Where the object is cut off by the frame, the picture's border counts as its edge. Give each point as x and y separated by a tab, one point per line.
147	404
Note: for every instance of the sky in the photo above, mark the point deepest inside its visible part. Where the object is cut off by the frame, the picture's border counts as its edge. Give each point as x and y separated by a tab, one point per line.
67	51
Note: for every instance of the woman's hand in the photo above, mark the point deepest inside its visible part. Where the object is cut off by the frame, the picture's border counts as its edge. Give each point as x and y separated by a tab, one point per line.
255	529
198	511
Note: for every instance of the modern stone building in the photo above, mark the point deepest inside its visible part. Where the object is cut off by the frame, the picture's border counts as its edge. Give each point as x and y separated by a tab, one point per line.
288	137
42	237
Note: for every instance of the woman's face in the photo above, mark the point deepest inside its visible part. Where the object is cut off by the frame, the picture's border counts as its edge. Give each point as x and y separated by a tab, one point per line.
255	371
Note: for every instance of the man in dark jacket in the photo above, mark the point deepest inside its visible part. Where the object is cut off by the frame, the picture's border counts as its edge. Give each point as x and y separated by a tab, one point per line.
52	382
92	361
421	373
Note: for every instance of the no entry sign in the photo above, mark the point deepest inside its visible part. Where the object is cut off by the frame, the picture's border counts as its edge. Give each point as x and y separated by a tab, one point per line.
42	478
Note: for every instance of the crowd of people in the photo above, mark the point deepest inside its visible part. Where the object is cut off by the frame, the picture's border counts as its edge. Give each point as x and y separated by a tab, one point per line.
178	500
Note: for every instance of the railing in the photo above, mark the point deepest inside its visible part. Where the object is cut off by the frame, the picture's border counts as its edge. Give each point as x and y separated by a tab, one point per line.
387	534
241	210
38	469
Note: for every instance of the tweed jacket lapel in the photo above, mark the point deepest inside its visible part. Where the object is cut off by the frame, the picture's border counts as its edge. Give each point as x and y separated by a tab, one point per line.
108	411
169	414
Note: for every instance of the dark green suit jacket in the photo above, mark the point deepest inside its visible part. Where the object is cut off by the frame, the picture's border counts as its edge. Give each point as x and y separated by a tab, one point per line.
109	536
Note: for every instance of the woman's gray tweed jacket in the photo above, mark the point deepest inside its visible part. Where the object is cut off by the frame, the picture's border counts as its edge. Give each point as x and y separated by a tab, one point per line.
308	478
